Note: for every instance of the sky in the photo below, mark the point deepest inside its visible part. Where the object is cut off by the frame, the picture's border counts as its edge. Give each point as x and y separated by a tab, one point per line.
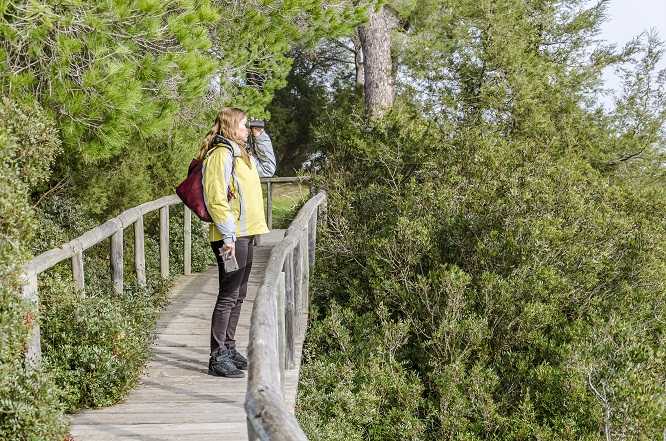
628	18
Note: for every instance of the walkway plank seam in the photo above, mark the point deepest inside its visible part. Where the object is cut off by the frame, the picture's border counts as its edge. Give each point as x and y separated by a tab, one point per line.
176	399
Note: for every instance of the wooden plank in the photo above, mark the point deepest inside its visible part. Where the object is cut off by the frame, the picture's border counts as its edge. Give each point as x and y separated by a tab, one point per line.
49	258
117	261
185	413
269	417
159	203
262	347
305	279
290	313
30	294
164	242
281	334
312	237
139	252
207	386
186	395
269	205
77	271
98	234
285	179
128	217
224	436
297	264
139	431
172	407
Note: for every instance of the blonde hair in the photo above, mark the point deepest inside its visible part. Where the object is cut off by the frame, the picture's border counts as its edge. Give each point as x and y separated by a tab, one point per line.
226	124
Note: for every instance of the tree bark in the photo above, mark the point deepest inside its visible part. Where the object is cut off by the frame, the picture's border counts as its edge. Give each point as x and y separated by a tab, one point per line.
375	38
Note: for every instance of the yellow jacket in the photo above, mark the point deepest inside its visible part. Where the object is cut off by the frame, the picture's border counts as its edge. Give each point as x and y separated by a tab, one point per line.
244	214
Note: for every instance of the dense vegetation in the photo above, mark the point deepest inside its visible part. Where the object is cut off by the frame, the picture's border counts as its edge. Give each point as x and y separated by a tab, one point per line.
494	264
103	106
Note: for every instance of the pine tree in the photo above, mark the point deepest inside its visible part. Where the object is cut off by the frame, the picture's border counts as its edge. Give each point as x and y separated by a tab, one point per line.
129	84
499	234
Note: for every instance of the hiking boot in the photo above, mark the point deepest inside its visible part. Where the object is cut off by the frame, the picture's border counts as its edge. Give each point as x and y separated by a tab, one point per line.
221	365
238	359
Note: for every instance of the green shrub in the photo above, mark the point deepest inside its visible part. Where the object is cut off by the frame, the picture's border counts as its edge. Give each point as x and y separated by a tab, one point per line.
287	200
529	288
29	406
96	342
351	378
30	409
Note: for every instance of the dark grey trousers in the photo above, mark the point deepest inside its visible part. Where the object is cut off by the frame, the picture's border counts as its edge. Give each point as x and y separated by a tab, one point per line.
232	291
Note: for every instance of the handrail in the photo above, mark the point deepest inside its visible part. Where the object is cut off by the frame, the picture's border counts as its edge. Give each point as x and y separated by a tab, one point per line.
114	228
269	192
90	238
279	319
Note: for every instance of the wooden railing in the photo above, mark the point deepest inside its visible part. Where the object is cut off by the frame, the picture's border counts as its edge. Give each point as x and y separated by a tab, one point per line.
269	192
115	228
279	321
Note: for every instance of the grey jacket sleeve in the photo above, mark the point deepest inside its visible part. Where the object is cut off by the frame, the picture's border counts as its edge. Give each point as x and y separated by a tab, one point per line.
265	157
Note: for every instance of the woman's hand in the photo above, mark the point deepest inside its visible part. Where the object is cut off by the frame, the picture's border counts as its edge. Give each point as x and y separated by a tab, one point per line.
228	250
256	131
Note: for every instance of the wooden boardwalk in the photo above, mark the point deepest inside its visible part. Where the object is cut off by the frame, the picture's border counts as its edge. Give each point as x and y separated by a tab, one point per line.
176	399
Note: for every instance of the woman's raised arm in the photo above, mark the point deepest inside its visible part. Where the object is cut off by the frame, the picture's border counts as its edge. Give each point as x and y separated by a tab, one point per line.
265	157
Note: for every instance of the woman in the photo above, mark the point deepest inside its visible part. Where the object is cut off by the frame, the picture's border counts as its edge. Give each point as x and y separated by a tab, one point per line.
233	196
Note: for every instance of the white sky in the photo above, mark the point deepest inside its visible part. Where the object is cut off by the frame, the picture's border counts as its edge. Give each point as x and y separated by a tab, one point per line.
628	18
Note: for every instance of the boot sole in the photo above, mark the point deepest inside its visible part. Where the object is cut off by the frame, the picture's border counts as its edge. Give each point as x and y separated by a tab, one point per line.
215	374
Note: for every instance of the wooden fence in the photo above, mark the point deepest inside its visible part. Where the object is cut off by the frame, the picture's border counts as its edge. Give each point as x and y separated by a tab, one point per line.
279	318
115	228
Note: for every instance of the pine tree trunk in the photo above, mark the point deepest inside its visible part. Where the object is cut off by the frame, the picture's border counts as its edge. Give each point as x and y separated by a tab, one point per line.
375	38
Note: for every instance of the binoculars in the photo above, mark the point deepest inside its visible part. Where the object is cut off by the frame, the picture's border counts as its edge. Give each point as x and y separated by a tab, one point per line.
255	123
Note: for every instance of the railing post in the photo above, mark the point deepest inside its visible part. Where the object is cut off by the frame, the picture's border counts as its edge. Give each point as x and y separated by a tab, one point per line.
77	270
251	434
269	205
34	350
164	242
281	328
139	253
312	237
322	212
187	241
290	324
117	260
297	264
305	277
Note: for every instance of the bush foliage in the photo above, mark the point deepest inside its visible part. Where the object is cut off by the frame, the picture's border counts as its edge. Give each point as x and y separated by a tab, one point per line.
482	289
104	105
29	405
494	262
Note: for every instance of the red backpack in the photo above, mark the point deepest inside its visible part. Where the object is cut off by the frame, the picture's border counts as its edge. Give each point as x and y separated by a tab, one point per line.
190	191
